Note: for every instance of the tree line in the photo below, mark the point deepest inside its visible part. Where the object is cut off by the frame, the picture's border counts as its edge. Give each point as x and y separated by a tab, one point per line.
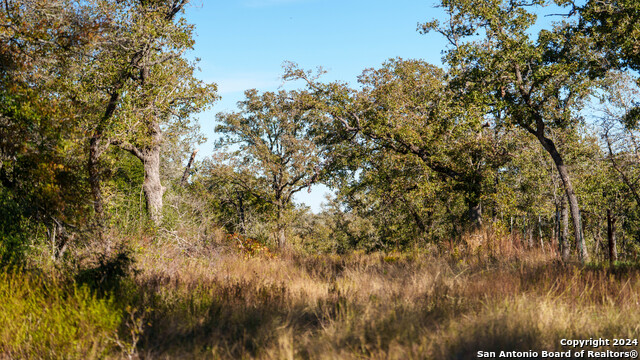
522	131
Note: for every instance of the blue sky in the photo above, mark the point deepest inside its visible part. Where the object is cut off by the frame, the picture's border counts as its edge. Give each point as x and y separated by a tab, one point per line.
243	43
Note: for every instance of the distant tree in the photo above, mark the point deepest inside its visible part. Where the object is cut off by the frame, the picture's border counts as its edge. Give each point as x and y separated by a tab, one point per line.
405	202
614	26
620	132
408	107
621	143
541	84
229	189
271	137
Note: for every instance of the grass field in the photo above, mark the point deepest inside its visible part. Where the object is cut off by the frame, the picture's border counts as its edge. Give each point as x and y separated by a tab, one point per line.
215	301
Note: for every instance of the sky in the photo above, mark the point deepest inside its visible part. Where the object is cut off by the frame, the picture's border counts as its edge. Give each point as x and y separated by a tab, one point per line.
242	44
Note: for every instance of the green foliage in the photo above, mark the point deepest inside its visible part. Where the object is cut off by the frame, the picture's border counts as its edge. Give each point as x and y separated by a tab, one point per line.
614	26
272	153
408	149
50	320
229	202
14	232
142	68
631	118
125	208
78	78
41	159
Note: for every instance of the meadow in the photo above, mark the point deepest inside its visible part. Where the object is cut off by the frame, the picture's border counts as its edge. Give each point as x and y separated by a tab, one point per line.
159	298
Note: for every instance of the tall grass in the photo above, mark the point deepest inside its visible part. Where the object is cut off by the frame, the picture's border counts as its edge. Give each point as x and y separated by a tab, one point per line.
484	293
45	319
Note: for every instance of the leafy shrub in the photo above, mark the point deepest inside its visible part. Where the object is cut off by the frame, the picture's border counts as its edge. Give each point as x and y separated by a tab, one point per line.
13	238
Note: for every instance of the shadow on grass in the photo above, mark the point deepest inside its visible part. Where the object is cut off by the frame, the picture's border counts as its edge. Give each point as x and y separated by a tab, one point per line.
240	319
194	318
236	318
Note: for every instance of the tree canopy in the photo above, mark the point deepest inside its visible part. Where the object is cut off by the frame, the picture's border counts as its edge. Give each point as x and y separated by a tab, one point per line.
99	102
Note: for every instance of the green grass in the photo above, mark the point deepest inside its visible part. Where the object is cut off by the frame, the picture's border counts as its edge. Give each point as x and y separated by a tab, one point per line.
45	319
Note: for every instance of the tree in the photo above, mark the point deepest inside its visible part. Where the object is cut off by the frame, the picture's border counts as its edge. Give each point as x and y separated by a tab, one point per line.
227	190
621	144
41	179
540	84
78	78
137	83
405	202
271	137
409	107
620	132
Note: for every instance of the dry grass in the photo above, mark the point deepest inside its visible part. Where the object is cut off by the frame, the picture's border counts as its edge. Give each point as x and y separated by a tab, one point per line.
487	293
488	297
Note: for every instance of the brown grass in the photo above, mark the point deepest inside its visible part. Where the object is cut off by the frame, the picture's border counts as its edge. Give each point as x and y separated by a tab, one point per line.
443	305
483	293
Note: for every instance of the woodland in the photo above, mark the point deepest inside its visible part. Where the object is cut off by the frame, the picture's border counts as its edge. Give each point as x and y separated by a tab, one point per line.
489	204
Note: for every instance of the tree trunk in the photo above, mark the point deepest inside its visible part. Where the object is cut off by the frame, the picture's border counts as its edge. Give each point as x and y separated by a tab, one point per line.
556	229
59	239
152	186
550	147
240	210
565	249
523	242
185	175
282	238
94	180
611	236
475	214
540	232
473	198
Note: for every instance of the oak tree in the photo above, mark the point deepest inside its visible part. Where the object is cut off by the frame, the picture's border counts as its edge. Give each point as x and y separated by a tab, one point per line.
271	138
408	107
540	83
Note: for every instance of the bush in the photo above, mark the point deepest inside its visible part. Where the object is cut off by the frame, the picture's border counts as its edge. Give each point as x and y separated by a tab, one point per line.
13	238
